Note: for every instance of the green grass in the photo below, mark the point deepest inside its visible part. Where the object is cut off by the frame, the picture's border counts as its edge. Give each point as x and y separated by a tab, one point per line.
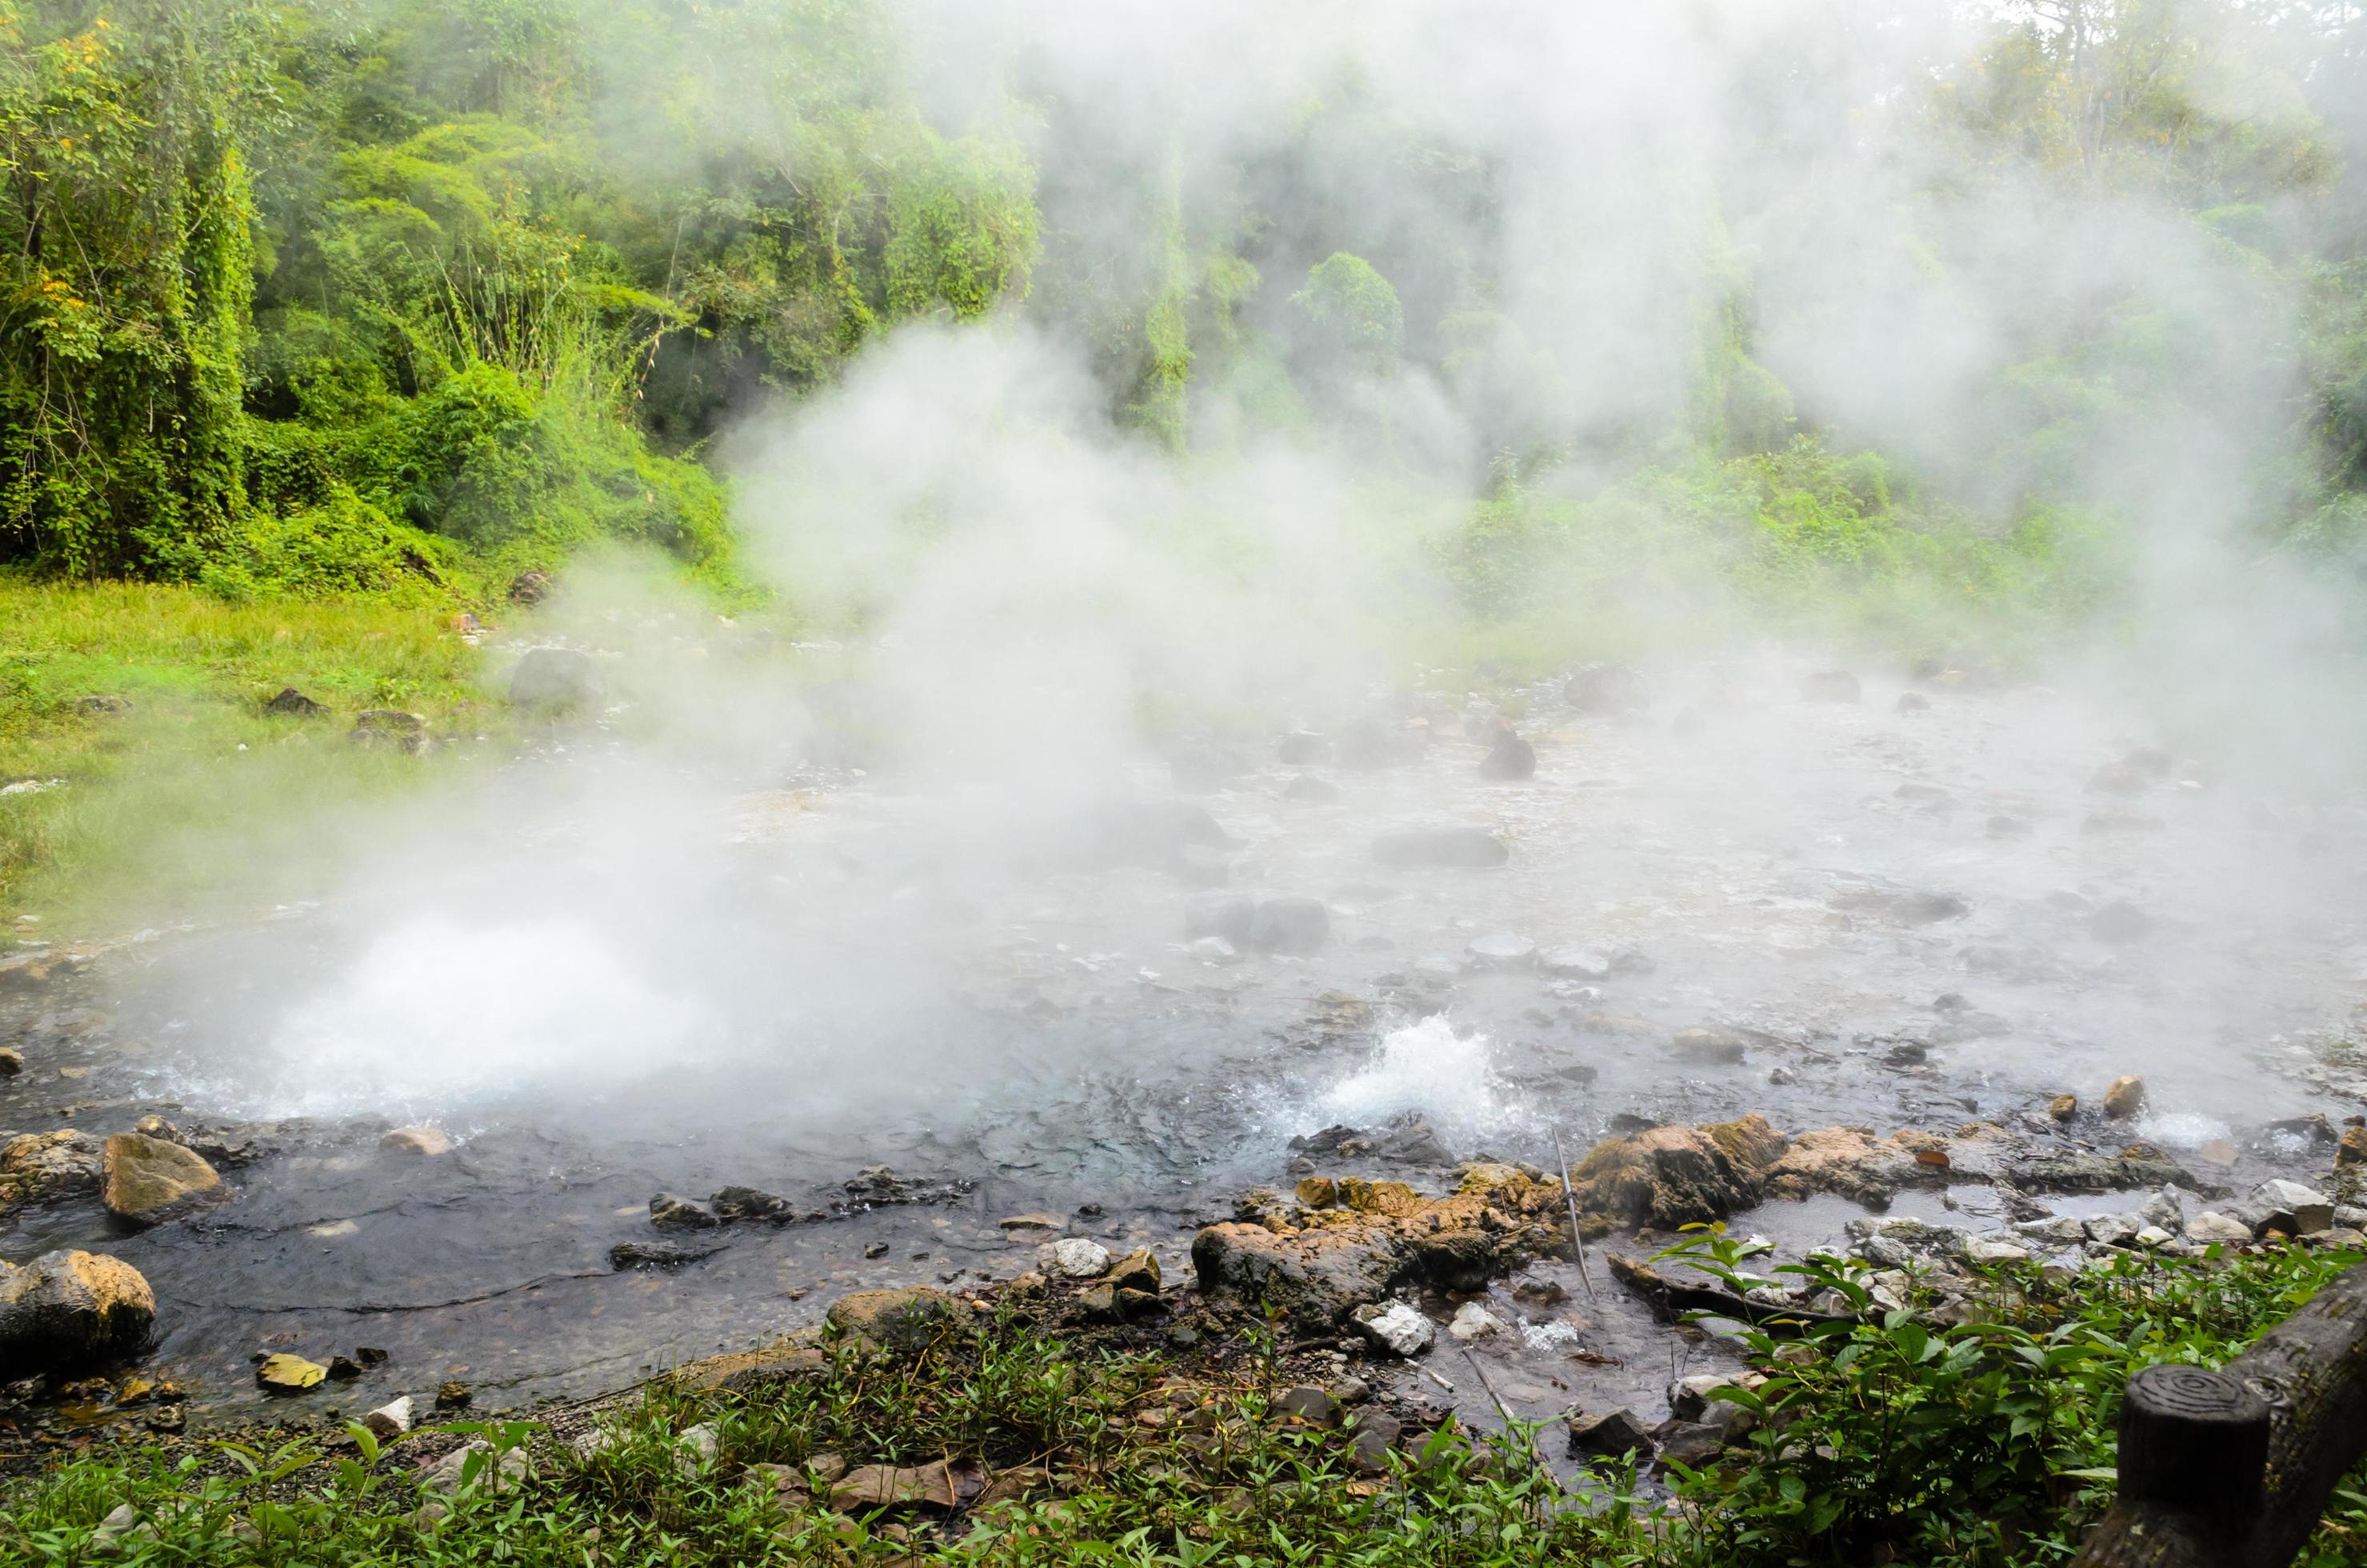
164	808
1987	1444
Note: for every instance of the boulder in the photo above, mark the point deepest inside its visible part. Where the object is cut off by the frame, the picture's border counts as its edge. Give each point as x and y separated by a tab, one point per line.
66	1309
1913	702
2211	1226
2125	1098
1692	1444
293	704
1607	1435
471	1465
1689	1398
1138	1270
1289	925
146	1181
2287	1206
897	1320
656	1255
556	679
1396	1327
1667	1177
1228	915
1709	1045
1852	1162
1441	847
1370	1434
2114	1230
2164	1210
1315	1276
40	1166
12	1062
425	1141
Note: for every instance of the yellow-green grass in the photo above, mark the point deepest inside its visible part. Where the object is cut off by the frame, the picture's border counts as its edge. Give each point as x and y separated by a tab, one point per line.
179	802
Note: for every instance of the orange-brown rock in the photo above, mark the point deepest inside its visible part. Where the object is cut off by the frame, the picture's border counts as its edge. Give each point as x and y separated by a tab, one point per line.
1852	1162
66	1309
1676	1176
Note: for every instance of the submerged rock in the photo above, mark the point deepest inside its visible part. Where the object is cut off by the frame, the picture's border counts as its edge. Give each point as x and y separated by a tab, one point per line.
685	1213
146	1181
66	1309
656	1255
425	1141
1441	847
289	1374
1503	949
751	1203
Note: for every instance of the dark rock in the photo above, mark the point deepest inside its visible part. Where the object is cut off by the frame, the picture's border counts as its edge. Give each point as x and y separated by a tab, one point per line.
1914	702
1449	847
1510	757
1301	749
1669	1176
454	1396
1311	790
1138	1270
749	1203
40	1167
1829	686
293	704
1306	1404
1370	1434
1607	1435
1689	1443
656	1255
1607	689
683	1213
67	1309
1905	1054
1289	925
390	728
530	587
344	1369
102	706
555	680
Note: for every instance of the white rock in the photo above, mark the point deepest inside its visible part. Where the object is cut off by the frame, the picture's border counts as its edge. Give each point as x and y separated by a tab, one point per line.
2164	1212
2153	1236
2114	1230
1688	1397
2312	1210
1504	950
1395	1327
2213	1226
2350	1216
1978	1251
1473	1321
1074	1257
699	1445
2055	1230
589	1445
391	1419
1213	949
446	1475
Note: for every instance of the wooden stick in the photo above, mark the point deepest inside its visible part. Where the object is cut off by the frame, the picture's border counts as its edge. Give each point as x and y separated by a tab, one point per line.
1577	1237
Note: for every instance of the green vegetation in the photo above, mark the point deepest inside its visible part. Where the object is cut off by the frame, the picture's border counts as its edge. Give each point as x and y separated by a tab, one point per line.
1983	1444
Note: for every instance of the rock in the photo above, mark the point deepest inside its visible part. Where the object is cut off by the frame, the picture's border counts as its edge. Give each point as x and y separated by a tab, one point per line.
289	1374
1829	686
2350	1216
1313	1276
40	1166
146	1181
121	1526
2062	1107
472	1464
1608	687
2114	1230
12	1062
1509	758
2119	923
2164	1210
1369	743
699	1445
2289	1207
1533	1284
1371	1436
1689	1398
454	1396
1906	1053
1138	1270
2352	1149
1913	702
1445	847
899	1320
1149	833
1689	1443
675	1212
2153	1236
877	1486
1228	915
1313	790
293	704
2057	1229
737	1203
1607	1435
554	679
2211	1226
390	1420
656	1255
1503	949
101	705
1472	1322
1576	964
1316	1192
425	1141
531	587
1305	1403
1076	1257
2125	1098
1012	1224
1302	748
1289	925
1394	1326
66	1308
390	728
1669	1176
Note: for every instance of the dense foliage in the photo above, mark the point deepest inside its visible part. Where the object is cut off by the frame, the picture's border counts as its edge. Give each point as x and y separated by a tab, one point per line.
314	295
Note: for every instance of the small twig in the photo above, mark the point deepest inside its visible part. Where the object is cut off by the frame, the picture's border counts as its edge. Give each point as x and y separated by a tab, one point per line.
1503	1412
1577	1237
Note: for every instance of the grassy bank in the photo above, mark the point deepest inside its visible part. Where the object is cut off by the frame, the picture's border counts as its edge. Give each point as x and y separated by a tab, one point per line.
1893	1441
133	722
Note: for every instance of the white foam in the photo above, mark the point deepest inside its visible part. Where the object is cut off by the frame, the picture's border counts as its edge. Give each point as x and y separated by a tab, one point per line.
1425	1067
2181	1129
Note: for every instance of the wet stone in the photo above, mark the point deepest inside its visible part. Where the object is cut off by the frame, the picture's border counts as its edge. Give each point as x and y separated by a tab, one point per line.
2125	1098
1502	950
1395	1327
656	1255
677	1212
1607	1435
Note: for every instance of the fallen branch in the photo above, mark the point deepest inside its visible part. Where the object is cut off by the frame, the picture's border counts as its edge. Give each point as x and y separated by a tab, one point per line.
1670	1300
